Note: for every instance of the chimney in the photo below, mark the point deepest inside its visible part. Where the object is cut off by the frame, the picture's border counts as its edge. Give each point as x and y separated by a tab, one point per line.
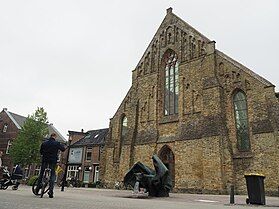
5	109
82	130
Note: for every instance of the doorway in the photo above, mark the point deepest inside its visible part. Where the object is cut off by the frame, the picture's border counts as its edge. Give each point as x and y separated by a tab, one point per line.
167	157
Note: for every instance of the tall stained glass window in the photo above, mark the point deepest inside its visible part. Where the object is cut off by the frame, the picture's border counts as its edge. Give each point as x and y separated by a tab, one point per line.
241	121
170	62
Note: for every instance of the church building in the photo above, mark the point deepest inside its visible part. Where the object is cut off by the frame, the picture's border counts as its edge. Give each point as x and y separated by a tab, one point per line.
210	119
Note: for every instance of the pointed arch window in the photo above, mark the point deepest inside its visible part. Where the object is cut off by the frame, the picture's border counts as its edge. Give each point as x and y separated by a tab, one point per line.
241	121
123	134
171	84
124	127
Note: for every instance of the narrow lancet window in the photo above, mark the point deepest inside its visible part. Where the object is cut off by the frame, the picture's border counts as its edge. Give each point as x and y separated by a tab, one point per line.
170	63
241	121
124	127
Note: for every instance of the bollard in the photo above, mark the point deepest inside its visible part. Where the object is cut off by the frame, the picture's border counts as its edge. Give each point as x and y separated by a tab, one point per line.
232	195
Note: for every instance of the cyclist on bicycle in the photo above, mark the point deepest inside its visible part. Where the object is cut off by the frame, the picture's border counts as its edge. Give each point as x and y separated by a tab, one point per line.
49	151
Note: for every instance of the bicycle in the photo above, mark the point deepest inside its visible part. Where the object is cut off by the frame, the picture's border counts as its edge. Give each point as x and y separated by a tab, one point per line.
10	179
119	185
44	187
70	182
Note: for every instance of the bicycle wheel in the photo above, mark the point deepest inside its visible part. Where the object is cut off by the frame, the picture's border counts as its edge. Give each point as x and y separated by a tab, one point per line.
45	187
34	187
2	186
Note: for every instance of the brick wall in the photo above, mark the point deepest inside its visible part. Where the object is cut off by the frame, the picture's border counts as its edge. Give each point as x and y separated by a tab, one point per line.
5	137
202	136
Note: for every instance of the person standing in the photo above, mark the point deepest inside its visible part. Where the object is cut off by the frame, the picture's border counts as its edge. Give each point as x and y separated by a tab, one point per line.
49	151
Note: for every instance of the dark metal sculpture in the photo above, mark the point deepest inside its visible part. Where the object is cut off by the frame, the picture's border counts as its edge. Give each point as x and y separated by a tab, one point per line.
157	183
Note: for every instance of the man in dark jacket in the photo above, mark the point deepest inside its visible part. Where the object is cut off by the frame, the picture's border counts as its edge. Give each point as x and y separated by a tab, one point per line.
49	151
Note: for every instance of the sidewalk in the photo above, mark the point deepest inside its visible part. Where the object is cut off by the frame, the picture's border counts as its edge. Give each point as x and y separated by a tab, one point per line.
184	197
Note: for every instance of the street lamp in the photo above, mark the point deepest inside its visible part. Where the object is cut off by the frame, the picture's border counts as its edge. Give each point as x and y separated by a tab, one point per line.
66	169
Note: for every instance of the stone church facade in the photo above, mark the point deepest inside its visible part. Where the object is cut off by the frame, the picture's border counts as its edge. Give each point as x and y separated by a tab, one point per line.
209	118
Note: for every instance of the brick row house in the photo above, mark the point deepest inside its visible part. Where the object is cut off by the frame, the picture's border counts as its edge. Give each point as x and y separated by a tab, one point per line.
209	118
10	126
84	156
73	136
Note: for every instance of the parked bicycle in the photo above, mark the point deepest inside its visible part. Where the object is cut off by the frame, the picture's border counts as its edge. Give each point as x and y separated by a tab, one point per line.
11	179
120	185
70	182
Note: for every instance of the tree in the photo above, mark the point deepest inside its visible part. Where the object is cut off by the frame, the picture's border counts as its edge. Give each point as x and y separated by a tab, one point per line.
25	149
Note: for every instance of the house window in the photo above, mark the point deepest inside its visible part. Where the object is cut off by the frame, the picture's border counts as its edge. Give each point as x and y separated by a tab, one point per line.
72	171
86	175
96	174
241	121
8	147
26	172
37	170
5	127
88	153
171	84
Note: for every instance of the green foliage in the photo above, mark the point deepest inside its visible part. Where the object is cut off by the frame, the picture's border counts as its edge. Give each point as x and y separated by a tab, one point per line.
32	180
25	149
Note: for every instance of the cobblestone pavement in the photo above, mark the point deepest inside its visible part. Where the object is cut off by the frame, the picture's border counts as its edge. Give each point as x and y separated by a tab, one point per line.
82	198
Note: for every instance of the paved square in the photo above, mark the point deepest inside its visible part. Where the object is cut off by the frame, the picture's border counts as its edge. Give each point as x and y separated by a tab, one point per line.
82	198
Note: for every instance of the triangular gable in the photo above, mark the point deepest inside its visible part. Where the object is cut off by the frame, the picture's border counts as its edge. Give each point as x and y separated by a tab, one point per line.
172	32
11	116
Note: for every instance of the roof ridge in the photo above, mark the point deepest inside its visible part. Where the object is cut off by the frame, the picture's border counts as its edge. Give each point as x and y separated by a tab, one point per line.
150	43
91	139
12	118
190	26
17	123
17	114
246	69
97	129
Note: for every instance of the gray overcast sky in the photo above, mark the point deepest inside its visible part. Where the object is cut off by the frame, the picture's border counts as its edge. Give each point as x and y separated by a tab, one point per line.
75	58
